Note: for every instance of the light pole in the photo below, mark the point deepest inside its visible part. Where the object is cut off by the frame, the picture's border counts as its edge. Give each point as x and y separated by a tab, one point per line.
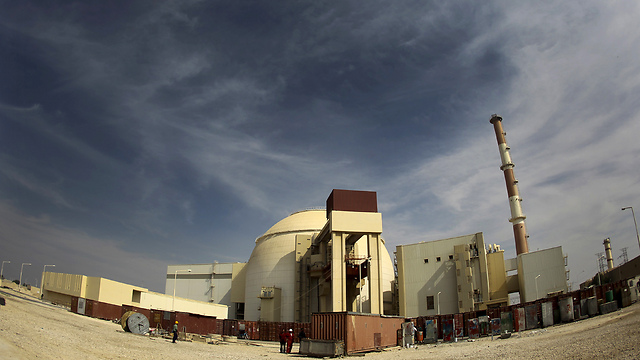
634	221
438	300
175	277
42	281
537	295
20	284
599	272
2	268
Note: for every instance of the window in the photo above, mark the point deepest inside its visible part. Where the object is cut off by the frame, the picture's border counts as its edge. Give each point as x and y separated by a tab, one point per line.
135	296
430	303
450	257
426	261
438	259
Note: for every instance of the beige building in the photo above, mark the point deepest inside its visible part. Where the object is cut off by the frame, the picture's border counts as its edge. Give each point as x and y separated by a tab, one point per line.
219	283
464	274
450	276
541	273
60	288
311	261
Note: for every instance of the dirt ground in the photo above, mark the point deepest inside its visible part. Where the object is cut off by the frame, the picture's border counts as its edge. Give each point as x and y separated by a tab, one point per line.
32	329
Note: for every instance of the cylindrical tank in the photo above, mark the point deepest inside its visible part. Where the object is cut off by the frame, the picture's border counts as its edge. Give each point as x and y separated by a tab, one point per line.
608	296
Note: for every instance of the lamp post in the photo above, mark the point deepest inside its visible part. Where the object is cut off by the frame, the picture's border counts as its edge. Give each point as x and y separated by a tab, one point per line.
599	272
537	295
438	301
20	284
634	221
42	281
2	268
175	278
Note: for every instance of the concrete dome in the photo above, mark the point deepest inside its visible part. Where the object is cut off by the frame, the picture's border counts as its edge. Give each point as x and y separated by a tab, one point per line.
273	261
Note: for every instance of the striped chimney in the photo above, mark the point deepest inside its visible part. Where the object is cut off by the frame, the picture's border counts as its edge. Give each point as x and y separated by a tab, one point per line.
607	251
517	216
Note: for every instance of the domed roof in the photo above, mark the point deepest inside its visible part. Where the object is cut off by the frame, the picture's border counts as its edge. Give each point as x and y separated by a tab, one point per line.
306	220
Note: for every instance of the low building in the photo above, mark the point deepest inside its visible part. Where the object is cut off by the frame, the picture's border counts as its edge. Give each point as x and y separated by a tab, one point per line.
62	288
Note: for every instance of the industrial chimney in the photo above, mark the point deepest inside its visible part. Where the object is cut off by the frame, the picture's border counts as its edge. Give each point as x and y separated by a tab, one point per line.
607	251
517	216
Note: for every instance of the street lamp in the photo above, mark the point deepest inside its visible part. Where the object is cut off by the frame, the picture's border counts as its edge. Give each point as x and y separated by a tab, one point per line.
42	282
438	300
2	268
634	221
175	277
599	272
537	295
20	284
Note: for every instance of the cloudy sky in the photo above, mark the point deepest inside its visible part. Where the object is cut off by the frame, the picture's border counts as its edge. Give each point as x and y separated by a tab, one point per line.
138	134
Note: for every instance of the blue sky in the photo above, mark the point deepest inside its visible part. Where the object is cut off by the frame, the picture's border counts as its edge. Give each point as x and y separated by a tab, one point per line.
138	134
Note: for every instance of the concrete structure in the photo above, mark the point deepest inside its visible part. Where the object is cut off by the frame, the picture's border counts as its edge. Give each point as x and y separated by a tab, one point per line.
322	260
517	216
550	265
607	251
464	274
332	259
450	276
220	283
60	288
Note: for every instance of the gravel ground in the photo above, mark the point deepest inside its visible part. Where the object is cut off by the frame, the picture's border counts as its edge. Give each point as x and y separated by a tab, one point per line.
31	329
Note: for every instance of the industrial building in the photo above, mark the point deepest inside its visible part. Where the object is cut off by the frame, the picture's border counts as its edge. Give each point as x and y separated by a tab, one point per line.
312	261
335	260
220	283
111	296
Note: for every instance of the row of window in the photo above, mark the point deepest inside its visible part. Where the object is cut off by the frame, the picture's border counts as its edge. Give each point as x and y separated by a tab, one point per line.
438	259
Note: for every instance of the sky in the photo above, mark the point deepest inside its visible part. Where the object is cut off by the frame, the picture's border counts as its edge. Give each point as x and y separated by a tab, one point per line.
138	134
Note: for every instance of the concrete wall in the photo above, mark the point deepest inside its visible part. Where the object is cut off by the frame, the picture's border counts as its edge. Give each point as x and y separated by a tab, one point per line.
152	300
206	282
497	275
549	264
421	274
59	287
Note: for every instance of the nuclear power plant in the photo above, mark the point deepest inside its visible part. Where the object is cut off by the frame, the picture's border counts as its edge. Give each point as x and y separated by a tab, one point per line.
336	260
326	270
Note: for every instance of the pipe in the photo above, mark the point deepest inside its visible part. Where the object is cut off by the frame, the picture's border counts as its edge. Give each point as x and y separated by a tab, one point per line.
517	216
607	250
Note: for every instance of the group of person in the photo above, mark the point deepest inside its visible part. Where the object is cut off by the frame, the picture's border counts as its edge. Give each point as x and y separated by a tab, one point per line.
286	340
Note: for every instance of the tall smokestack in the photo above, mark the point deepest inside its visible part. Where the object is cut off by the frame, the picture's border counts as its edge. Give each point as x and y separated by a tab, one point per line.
517	216
607	251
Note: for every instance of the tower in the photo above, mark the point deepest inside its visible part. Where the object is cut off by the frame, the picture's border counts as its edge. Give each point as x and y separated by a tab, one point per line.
517	216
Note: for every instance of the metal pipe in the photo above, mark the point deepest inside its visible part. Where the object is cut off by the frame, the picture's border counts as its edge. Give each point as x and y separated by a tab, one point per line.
634	221
517	216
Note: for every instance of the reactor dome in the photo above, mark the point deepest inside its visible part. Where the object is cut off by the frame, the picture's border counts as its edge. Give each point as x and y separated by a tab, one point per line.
273	263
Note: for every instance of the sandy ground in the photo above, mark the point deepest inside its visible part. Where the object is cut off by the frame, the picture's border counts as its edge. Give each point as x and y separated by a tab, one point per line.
30	329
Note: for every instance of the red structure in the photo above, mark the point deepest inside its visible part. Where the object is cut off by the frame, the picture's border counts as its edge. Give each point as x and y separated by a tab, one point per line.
517	216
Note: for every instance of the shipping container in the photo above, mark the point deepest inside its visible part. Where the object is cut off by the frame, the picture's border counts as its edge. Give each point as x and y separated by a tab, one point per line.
360	332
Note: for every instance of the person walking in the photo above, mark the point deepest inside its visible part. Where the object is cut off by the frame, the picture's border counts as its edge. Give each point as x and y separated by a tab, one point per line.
289	341
175	332
283	341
